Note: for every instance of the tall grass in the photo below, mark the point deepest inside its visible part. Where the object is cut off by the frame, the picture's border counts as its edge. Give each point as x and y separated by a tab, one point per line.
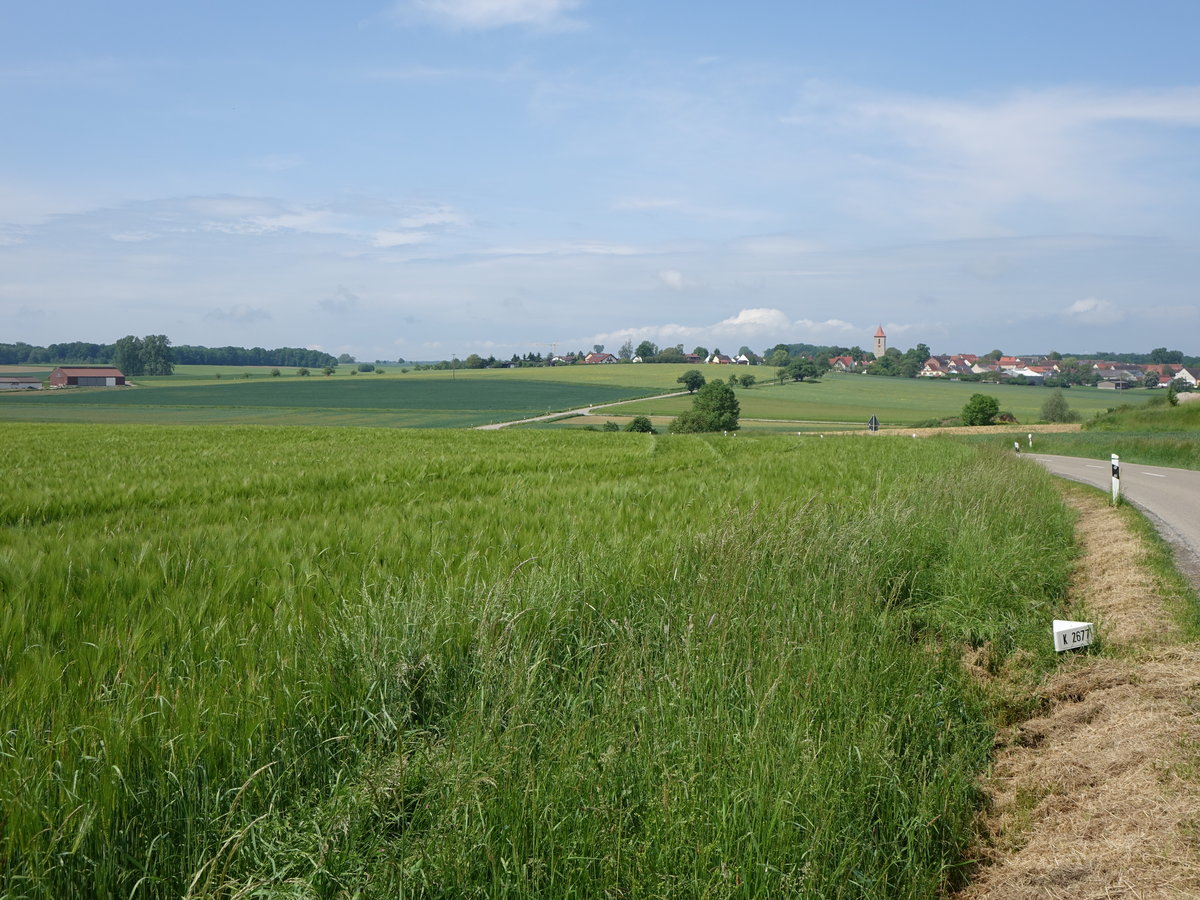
303	662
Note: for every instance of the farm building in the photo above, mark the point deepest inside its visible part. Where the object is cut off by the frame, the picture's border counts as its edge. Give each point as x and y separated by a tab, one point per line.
74	376
19	383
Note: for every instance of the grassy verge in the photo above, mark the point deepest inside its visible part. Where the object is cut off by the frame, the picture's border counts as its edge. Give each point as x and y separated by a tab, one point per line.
1157	434
311	661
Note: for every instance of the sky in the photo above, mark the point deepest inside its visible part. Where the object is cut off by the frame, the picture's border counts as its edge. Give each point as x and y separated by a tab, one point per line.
422	179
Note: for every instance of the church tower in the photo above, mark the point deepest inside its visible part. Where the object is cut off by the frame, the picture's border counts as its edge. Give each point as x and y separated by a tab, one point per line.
880	342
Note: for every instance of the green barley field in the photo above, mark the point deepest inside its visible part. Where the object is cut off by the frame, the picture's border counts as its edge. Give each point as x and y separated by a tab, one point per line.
313	662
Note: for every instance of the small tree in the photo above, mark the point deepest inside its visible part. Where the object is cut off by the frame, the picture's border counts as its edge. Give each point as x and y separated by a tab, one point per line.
641	424
274	373
302	371
1150	379
748	380
692	380
1055	409
980	410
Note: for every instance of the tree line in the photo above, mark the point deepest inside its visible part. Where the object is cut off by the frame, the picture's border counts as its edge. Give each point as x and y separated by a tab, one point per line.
151	354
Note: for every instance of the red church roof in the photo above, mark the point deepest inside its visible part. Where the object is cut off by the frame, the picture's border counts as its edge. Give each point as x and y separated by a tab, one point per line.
879	332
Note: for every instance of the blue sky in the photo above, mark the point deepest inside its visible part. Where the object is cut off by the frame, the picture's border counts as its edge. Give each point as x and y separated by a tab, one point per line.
425	178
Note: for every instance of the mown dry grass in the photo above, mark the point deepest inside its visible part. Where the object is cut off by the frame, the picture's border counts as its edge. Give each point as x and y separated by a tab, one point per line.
1099	796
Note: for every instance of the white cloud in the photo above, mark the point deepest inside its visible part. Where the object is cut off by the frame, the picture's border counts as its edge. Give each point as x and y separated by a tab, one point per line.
485	14
432	216
776	245
746	325
673	279
276	162
385	239
568	248
691	210
984	166
1095	312
755	320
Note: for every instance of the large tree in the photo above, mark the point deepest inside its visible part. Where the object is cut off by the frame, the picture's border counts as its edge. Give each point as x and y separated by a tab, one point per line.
127	356
980	410
714	408
1163	355
692	380
156	355
646	351
804	369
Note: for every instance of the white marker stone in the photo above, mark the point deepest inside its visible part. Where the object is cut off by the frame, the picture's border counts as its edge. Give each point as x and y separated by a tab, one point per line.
1072	635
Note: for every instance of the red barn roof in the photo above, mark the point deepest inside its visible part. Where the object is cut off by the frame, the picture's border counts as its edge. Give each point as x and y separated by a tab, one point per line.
104	372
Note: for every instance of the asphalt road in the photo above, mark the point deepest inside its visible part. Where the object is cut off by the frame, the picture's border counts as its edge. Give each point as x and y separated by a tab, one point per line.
1169	497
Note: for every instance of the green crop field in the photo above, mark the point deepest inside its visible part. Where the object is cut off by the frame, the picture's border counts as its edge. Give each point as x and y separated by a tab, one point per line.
314	662
895	401
469	397
415	400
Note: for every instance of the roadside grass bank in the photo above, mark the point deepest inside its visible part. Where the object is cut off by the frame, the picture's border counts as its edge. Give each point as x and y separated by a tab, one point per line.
1156	434
1094	794
528	664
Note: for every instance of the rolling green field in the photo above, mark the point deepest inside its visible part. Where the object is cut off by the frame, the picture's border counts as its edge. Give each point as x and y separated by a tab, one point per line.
360	662
895	401
412	401
479	396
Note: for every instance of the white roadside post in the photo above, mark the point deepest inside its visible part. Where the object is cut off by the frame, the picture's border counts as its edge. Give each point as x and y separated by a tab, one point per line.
1031	439
1072	635
1116	478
